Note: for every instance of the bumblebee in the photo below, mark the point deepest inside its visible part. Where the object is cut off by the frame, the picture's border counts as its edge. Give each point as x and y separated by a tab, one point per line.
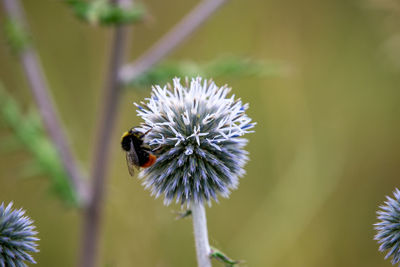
137	154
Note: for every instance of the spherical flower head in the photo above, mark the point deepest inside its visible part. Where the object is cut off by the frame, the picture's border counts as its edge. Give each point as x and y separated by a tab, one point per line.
196	132
17	237
388	228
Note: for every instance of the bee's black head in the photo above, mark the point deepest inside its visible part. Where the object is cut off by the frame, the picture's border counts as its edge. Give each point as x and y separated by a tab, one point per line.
131	137
126	140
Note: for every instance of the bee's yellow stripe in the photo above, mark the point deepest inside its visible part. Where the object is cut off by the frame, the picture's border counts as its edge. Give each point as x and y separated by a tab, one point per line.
125	134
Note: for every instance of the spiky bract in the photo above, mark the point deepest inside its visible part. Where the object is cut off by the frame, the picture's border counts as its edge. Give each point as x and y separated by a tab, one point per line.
17	237
196	133
388	228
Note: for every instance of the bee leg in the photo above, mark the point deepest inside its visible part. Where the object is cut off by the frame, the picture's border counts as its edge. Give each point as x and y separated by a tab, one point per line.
143	135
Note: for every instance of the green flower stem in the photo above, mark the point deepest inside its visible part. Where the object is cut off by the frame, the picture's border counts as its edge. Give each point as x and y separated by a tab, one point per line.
203	249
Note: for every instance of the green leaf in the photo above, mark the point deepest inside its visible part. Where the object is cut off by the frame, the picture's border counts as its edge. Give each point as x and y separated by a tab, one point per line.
102	12
16	36
230	66
219	255
28	130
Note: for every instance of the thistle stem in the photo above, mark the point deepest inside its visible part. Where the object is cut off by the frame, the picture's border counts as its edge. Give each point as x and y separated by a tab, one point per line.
201	235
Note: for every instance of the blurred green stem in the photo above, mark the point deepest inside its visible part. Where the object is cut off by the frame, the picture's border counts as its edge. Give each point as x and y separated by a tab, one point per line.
37	82
203	249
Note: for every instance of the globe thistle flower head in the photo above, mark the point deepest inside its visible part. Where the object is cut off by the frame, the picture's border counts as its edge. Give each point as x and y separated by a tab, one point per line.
388	227
196	132
17	237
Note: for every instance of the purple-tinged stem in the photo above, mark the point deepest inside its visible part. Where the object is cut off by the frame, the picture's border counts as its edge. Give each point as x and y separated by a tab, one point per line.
38	84
171	40
93	213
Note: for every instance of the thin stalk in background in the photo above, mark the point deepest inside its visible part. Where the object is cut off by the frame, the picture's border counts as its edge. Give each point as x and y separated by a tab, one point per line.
40	90
93	213
170	40
201	235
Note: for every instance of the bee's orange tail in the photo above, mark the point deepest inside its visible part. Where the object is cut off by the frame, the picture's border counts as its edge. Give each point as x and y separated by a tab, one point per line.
150	162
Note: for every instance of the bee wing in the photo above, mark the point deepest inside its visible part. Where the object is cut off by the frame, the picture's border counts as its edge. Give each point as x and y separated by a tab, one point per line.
130	164
132	160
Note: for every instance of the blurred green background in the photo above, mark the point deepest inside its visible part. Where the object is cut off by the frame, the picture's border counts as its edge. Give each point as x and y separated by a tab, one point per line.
325	153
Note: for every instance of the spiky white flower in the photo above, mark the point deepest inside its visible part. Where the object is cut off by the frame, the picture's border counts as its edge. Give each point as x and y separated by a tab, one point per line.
196	133
17	237
388	227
